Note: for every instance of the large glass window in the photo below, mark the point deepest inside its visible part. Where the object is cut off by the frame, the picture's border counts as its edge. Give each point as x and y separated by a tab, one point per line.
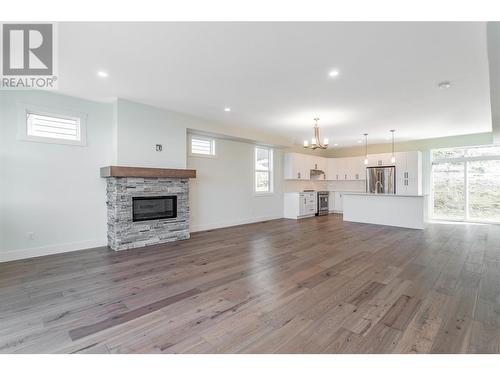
466	183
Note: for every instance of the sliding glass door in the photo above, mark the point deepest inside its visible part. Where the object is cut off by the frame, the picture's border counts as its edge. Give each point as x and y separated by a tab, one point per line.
484	190
449	191
466	184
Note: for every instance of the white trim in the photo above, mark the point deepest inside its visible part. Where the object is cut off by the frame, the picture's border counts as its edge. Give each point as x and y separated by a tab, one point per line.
231	223
202	138
22	135
33	252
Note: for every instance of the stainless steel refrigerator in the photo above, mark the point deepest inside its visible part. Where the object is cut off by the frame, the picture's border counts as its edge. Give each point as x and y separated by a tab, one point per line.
381	180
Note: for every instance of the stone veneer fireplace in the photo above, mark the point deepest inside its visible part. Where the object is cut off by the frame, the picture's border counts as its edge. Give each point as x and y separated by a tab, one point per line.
146	206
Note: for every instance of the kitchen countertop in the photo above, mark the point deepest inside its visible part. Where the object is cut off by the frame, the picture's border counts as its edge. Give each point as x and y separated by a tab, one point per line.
385	195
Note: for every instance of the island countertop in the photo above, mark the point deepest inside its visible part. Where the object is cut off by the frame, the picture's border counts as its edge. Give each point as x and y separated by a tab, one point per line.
385	195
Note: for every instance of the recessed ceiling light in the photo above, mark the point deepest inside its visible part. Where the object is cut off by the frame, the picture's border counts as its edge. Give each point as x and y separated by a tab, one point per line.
444	85
102	74
335	144
227	109
333	73
359	141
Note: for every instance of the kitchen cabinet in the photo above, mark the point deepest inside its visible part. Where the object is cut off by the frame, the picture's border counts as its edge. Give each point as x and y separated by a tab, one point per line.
357	168
341	172
409	173
341	169
295	166
298	166
331	169
378	160
408	168
337	205
331	201
300	205
320	163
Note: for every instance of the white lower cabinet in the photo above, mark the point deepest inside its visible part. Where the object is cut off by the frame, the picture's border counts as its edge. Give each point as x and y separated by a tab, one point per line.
299	205
337	205
331	201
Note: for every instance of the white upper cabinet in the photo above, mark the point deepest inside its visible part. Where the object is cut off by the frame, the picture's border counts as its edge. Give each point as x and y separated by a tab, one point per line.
342	169
378	160
298	166
332	169
295	167
408	168
320	163
357	168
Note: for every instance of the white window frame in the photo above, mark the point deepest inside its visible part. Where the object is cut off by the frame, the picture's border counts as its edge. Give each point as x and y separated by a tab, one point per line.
465	160
270	171
203	138
22	129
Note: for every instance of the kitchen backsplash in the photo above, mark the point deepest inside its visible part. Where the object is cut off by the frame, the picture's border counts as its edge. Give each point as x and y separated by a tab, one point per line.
292	185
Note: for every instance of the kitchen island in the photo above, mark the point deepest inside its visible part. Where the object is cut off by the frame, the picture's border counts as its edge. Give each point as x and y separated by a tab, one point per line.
407	211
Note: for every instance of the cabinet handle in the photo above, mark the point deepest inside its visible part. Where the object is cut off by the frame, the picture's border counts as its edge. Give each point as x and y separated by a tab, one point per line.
298	175
345	177
337	177
304	200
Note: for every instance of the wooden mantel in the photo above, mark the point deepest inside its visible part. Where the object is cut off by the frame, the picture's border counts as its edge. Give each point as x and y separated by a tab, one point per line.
117	171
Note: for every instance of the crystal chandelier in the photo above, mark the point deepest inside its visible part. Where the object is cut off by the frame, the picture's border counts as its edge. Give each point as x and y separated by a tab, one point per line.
315	142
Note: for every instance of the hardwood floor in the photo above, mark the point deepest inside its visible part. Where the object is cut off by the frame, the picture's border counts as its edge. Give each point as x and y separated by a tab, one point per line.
318	285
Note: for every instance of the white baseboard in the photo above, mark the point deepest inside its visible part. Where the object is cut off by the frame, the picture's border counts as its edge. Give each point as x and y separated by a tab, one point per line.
49	250
230	223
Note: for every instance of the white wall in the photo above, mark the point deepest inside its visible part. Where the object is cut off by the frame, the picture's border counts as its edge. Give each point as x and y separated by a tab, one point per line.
141	127
55	190
52	190
222	193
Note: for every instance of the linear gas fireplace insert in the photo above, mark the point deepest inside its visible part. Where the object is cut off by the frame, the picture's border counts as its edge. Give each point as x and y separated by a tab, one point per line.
154	208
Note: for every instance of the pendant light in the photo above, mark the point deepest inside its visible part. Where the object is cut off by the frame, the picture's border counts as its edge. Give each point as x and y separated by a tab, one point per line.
366	148
393	158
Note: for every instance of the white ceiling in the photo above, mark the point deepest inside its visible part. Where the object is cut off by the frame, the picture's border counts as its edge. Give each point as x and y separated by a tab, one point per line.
274	76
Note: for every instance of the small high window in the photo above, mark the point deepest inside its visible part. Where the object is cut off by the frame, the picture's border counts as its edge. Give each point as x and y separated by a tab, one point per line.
48	126
202	146
55	127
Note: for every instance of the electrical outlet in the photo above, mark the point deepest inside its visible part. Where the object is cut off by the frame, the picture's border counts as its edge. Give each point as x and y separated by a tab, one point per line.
159	148
31	235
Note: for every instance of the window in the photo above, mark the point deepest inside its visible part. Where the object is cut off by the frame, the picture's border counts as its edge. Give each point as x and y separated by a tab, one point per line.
43	125
263	170
53	127
202	146
466	184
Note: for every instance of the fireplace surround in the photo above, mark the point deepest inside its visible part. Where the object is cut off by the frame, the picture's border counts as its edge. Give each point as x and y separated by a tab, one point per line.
145	206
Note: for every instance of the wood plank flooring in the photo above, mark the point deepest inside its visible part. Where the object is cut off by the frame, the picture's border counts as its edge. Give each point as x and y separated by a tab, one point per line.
317	285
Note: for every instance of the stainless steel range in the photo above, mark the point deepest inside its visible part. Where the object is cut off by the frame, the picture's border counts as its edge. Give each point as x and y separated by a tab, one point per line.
323	203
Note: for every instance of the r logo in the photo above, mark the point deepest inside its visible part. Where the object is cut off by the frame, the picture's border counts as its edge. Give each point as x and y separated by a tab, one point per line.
27	49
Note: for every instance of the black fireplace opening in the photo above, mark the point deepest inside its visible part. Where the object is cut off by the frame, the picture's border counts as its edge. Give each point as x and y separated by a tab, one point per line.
154	208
